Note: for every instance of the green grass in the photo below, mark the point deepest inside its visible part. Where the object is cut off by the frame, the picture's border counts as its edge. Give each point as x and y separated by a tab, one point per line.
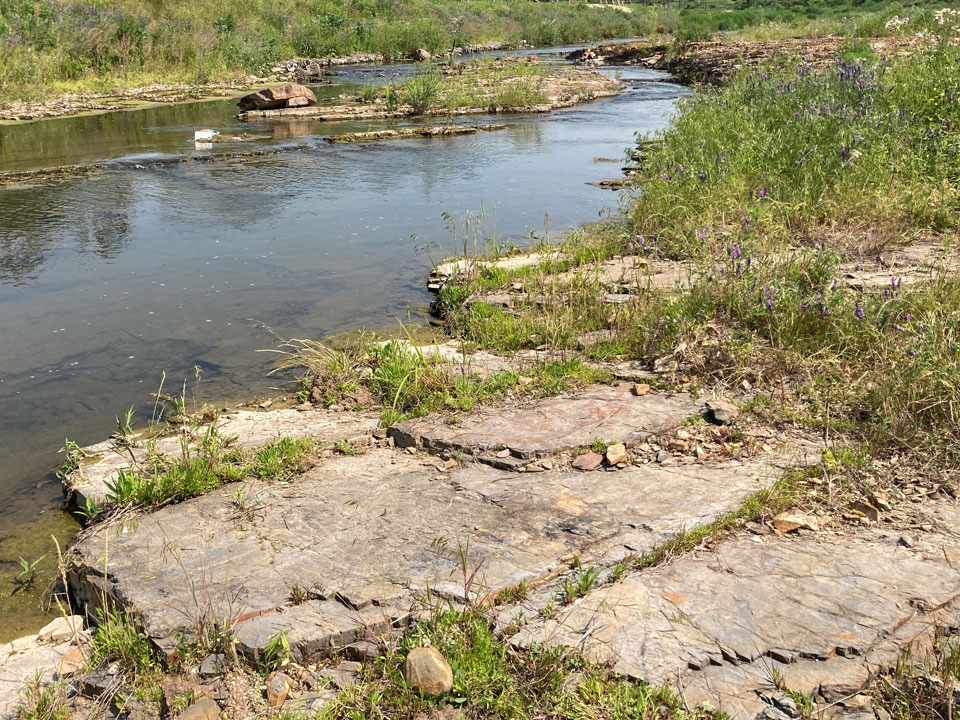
797	18
200	470
764	188
774	159
492	681
481	84
927	688
405	382
51	46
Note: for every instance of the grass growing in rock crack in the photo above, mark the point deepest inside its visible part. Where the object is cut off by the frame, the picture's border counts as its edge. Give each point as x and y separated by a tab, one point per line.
926	687
410	382
205	468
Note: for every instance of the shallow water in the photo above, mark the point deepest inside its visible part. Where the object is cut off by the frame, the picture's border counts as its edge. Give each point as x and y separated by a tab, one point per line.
154	265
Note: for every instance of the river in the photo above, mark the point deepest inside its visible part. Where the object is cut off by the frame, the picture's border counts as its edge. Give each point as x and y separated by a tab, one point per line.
155	264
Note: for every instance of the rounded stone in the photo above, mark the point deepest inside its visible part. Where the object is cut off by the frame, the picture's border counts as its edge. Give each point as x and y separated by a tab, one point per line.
427	670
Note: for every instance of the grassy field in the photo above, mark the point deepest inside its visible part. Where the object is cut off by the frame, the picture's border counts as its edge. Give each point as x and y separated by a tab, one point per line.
53	46
49	45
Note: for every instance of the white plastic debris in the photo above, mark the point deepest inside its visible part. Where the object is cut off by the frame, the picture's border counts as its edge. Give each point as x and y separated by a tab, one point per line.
205	134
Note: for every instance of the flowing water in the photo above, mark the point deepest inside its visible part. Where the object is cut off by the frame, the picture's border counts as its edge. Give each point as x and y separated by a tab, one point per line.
160	263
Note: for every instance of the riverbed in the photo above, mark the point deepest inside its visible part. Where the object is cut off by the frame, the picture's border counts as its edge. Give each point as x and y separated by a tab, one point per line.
163	261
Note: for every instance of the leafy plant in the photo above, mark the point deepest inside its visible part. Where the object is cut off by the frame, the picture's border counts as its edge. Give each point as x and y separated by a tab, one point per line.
578	584
28	571
276	653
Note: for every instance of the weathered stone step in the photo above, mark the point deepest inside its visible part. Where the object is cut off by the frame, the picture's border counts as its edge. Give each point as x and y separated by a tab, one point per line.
250	429
370	534
823	613
551	425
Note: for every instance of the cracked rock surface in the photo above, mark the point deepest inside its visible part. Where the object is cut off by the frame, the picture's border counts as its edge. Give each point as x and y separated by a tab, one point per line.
608	412
823	613
366	535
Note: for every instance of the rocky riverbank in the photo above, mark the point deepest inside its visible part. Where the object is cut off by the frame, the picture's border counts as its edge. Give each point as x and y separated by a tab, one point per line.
564	512
719	482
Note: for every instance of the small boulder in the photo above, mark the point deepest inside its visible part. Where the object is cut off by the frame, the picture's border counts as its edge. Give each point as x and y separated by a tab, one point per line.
61	629
640	389
206	709
276	97
722	412
616	454
427	670
788	522
421	55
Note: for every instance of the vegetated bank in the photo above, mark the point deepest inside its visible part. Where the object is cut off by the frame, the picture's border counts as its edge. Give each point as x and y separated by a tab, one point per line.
53	47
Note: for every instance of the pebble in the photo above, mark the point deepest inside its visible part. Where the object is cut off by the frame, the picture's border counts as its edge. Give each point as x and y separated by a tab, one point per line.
588	461
663	456
616	453
61	629
722	412
278	687
640	389
788	522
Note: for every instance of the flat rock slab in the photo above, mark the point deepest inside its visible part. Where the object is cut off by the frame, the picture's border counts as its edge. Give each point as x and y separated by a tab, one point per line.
632	273
552	425
461	267
369	534
247	428
34	659
910	264
481	363
825	612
